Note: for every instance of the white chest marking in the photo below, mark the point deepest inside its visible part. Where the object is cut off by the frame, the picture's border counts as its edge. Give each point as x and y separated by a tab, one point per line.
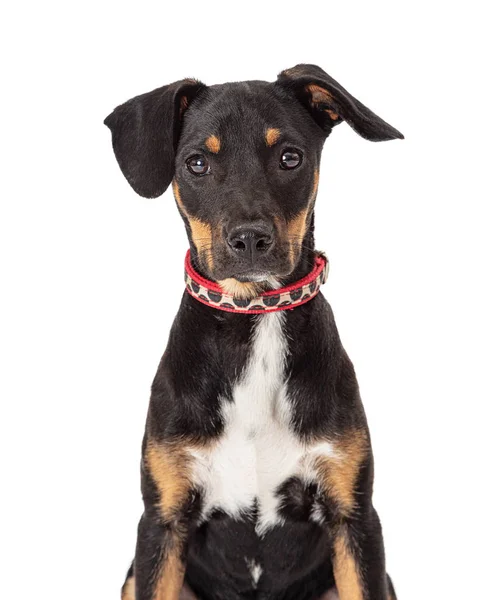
258	450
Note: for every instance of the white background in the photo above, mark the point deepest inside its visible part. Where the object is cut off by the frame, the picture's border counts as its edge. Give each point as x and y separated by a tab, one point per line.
85	264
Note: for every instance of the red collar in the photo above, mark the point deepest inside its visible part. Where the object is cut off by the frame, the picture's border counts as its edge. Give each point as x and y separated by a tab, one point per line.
285	298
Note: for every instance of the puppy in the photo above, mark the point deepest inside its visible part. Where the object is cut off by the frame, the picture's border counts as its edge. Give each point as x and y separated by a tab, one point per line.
257	469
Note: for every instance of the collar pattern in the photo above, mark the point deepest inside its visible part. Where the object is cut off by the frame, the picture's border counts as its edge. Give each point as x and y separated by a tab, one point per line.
286	298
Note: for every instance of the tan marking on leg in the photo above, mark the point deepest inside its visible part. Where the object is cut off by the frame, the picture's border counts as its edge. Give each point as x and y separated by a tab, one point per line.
213	144
272	136
170	584
346	574
338	473
172	574
169	464
201	233
128	589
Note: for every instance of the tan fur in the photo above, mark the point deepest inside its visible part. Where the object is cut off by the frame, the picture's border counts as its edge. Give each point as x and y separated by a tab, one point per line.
332	114
172	574
213	144
169	466
170	582
297	226
296	229
272	136
240	289
128	590
318	94
346	575
338	473
321	96
201	233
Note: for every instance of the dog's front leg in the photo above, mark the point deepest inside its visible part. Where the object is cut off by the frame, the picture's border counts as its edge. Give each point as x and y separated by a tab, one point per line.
159	560
358	559
159	564
346	476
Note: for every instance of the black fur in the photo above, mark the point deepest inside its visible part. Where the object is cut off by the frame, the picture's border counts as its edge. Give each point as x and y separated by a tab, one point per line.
153	136
358	116
145	133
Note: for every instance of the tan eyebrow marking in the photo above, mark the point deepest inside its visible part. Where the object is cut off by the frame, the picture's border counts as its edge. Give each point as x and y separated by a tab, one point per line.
213	144
272	136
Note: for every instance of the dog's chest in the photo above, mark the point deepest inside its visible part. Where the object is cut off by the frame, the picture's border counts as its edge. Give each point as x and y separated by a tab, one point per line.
258	450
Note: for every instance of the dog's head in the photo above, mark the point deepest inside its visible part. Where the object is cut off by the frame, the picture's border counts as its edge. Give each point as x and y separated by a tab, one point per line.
244	162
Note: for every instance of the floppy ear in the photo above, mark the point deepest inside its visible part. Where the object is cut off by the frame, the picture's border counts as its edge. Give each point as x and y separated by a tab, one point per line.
329	103
145	132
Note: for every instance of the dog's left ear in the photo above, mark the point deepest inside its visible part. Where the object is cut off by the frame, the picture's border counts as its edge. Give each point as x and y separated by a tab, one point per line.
145	132
329	103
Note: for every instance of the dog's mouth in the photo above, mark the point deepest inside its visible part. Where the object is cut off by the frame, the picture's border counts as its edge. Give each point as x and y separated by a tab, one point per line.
249	284
262	271
252	279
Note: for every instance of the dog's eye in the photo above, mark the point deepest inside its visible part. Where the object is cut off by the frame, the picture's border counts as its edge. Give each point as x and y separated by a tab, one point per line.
198	165
290	159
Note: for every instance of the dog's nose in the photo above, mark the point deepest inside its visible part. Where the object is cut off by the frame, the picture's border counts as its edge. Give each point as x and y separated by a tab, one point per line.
250	241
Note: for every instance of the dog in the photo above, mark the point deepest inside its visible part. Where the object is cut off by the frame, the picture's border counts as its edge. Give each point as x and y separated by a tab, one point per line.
257	468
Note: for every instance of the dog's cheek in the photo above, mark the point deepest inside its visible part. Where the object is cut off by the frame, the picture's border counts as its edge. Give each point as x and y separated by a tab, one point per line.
294	230
201	232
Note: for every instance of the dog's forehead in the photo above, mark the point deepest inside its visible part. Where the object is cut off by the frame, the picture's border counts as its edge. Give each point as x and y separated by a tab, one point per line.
238	111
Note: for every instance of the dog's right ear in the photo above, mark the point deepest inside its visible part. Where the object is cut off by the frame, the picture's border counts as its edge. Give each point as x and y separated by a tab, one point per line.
145	132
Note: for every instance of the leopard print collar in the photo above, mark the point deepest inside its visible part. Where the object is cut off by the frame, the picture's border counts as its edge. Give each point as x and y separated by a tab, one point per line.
285	298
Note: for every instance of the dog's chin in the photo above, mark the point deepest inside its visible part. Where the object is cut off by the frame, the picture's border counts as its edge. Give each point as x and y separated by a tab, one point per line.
255	277
249	285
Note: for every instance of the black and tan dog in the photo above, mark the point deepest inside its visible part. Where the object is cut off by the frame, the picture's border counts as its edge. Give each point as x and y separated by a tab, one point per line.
257	469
